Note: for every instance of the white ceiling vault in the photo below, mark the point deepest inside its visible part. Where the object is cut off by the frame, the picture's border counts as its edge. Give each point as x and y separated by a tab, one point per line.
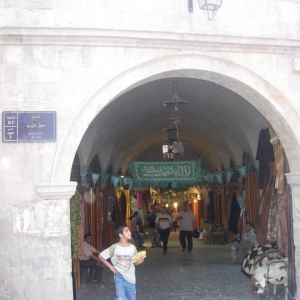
218	125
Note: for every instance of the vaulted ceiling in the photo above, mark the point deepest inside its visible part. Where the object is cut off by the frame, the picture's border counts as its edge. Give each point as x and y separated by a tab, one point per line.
218	126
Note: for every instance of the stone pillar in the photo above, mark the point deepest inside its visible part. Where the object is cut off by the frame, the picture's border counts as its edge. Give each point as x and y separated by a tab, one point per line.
36	251
59	237
293	180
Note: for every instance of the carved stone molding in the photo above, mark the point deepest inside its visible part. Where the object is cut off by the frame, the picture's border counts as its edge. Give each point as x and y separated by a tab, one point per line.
297	64
131	38
56	191
293	179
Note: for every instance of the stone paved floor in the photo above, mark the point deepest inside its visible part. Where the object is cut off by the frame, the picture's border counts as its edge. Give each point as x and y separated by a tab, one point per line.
206	273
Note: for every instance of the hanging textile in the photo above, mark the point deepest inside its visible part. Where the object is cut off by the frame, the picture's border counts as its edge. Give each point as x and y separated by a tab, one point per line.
82	175
95	178
228	209
262	220
211	207
219	177
223	207
217	207
228	174
115	180
282	232
272	220
139	199
234	215
279	160
141	216
121	208
133	203
252	196
264	154
128	208
248	162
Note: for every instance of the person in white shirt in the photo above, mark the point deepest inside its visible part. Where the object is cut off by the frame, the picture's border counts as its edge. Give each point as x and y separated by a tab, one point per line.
187	224
247	242
89	259
163	223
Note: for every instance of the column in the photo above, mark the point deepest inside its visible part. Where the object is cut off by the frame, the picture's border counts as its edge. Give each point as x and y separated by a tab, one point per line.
293	180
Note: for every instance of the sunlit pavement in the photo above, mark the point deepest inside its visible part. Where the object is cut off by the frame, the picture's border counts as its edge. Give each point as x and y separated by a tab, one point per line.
206	273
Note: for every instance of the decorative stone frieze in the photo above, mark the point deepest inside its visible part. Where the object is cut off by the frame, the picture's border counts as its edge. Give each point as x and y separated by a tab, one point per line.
56	191
297	63
293	179
37	4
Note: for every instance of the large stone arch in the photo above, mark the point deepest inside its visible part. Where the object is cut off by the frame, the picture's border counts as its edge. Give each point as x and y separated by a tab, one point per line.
265	98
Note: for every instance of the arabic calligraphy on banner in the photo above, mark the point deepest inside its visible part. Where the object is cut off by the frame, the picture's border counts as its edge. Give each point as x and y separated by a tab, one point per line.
180	171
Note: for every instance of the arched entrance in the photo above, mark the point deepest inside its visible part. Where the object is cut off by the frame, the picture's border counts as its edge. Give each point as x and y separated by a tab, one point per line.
239	80
249	86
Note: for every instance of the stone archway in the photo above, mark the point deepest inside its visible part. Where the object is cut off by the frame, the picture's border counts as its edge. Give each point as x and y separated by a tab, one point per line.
273	106
266	99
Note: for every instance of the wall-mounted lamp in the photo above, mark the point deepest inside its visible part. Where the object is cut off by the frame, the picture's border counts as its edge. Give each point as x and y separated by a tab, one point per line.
210	7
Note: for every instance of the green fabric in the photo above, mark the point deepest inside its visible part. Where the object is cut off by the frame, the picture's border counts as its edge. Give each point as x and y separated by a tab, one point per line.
75	221
173	171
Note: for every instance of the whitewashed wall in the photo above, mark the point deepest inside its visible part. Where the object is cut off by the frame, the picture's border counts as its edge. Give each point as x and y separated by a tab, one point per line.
74	57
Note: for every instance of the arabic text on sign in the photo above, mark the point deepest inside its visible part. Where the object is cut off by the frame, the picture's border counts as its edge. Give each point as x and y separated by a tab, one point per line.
165	171
35	125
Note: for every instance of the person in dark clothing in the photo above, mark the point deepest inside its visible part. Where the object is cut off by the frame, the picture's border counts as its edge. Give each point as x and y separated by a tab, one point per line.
264	155
150	223
135	233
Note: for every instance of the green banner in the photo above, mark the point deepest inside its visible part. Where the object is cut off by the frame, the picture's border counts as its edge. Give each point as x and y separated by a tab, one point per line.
178	171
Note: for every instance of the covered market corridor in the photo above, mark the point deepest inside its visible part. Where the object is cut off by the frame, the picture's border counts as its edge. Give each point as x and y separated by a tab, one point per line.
206	273
161	126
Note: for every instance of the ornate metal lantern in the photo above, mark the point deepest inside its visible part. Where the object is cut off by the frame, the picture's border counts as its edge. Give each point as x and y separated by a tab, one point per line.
174	148
175	106
210	7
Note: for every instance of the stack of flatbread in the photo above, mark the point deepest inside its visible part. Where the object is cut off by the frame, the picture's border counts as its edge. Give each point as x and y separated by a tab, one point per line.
138	256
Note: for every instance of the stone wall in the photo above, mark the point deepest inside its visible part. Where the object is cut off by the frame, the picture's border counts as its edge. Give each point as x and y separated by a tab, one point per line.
75	58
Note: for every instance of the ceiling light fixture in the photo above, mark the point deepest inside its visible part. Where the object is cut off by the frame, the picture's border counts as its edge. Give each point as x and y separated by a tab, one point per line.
174	148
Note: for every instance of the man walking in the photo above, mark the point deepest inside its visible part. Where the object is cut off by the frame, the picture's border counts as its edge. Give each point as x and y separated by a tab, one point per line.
187	224
163	223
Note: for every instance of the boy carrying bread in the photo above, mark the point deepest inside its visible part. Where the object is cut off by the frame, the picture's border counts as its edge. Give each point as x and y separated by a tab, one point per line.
124	257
